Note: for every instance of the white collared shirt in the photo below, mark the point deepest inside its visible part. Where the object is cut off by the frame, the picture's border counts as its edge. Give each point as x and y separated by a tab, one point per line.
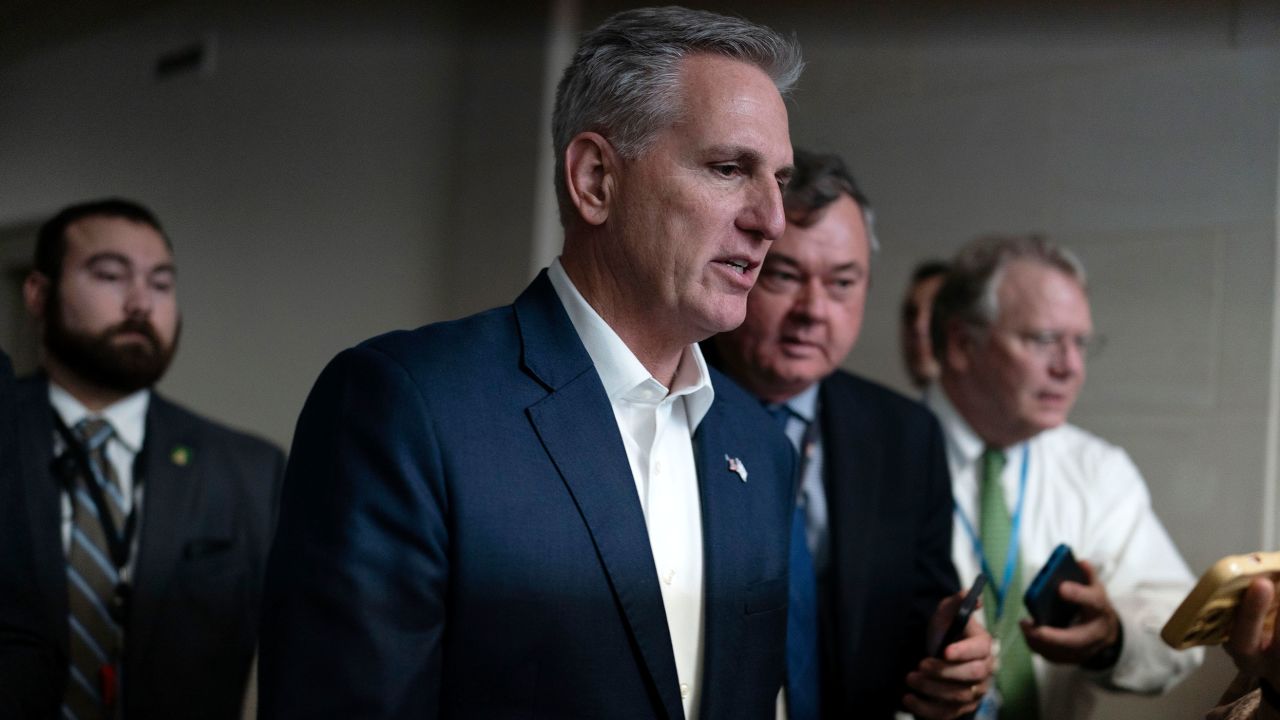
128	417
1087	493
657	426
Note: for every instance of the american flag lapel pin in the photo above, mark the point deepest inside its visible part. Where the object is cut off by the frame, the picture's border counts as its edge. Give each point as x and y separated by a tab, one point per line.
737	466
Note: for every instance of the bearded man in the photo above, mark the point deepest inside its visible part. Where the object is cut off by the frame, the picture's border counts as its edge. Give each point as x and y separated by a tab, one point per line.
146	527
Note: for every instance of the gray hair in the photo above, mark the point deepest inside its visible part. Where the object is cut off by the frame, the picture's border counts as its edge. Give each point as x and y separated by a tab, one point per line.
970	293
624	79
819	180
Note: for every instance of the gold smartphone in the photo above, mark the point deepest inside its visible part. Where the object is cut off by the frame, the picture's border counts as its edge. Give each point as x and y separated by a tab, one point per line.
1205	616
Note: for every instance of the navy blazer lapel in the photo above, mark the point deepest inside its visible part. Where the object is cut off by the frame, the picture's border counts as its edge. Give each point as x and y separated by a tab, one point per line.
577	427
851	452
726	529
43	498
170	493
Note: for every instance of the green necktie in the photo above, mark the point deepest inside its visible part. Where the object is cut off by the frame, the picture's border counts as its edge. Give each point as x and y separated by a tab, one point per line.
1015	677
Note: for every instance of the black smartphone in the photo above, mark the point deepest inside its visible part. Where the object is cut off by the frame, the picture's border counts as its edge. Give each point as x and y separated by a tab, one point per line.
955	630
1043	601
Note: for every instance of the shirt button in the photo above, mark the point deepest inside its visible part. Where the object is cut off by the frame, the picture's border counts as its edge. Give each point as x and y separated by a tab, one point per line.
684	690
657	468
671	575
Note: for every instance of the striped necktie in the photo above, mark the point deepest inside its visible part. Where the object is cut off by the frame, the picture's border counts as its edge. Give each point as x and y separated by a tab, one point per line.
92	577
1015	675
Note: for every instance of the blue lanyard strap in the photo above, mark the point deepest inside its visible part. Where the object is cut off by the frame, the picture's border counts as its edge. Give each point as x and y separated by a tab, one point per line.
1011	558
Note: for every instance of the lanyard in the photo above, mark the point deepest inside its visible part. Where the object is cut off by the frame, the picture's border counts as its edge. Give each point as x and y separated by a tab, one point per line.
1011	558
74	464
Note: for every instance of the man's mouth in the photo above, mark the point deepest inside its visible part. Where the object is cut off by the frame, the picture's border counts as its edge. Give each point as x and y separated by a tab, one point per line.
739	266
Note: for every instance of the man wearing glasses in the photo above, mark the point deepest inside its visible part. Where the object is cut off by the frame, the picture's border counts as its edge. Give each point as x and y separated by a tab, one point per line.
1011	329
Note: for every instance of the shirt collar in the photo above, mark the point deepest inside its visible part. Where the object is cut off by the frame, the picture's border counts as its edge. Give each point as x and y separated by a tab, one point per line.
128	416
623	375
963	444
805	404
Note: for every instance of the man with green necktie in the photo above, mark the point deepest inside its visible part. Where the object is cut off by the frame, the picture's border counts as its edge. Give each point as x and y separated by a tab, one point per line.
1011	329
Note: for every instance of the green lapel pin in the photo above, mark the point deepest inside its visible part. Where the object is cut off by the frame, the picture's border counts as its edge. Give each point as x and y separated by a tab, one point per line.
180	455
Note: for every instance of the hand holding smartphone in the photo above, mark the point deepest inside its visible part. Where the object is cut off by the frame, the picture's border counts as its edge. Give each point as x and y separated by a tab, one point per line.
955	630
1042	599
1206	615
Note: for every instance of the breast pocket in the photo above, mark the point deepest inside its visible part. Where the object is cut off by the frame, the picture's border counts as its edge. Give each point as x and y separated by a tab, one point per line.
213	575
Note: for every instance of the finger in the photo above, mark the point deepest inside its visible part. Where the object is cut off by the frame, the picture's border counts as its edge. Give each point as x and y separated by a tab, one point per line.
924	708
975	644
965	673
975	629
1251	613
944	694
946	610
1092	597
1090	572
968	648
1273	649
942	616
1065	642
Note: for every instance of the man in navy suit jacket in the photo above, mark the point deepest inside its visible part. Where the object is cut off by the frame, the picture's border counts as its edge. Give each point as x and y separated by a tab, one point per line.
29	661
874	487
554	509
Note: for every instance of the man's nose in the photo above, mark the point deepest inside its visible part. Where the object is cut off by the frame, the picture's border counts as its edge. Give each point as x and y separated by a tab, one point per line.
764	214
1068	359
811	300
138	300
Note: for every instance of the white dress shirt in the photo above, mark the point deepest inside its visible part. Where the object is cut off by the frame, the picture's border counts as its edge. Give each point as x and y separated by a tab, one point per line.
657	426
128	417
1087	493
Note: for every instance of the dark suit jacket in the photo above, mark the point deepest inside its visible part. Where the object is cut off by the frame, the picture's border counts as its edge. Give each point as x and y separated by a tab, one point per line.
460	537
29	659
889	503
209	506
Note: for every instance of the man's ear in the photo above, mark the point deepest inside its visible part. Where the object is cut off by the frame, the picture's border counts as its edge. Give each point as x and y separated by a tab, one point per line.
35	293
960	345
590	164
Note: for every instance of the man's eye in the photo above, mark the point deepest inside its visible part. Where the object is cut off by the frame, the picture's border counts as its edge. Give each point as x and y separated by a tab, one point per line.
726	170
1045	339
107	275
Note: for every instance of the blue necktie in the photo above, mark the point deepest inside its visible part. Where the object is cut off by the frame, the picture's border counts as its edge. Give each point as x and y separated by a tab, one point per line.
802	607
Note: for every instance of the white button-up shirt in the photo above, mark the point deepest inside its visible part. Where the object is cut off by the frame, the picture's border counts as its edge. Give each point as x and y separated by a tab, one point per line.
1087	493
657	425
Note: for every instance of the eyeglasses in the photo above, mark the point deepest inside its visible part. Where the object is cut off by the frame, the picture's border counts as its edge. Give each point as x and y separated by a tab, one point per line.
1052	344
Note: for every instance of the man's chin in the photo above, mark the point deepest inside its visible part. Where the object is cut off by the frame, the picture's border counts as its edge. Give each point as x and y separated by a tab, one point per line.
725	317
790	379
1047	420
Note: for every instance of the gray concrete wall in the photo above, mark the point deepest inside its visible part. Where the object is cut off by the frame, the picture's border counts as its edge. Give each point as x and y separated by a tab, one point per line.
346	170
342	170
